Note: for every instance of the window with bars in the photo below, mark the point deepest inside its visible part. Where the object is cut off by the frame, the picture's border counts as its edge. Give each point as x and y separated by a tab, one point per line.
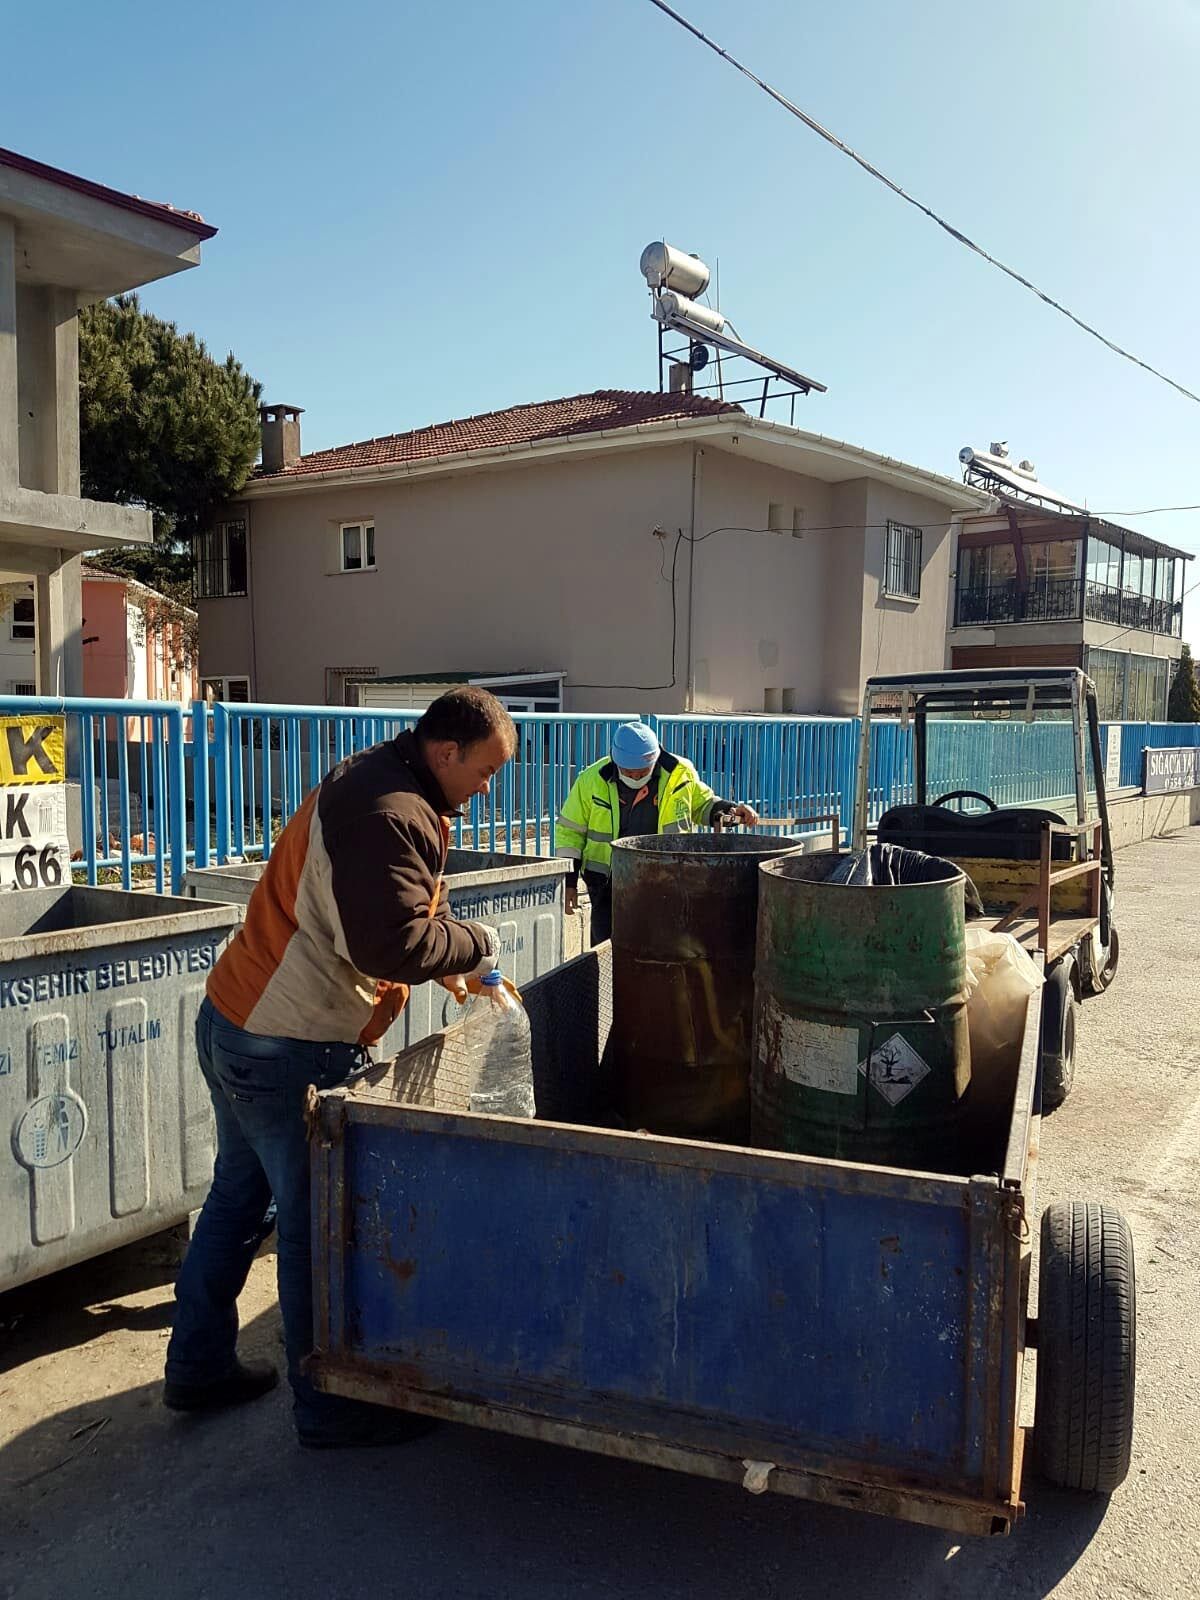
358	546
902	562
22	688
219	561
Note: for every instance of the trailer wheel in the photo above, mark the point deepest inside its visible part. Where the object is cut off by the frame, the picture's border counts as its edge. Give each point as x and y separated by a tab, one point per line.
1058	1036
1086	1347
1097	982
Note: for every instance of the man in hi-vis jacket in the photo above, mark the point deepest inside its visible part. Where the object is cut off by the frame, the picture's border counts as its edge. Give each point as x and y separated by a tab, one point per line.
639	788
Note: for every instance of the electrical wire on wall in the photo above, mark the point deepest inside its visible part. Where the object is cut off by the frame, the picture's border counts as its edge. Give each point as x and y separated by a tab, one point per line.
699	538
682	538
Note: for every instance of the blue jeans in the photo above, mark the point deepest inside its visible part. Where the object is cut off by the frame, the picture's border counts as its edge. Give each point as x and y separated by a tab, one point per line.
261	1179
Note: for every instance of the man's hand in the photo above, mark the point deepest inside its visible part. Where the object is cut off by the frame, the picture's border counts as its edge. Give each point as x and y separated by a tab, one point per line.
491	943
457	986
571	899
746	815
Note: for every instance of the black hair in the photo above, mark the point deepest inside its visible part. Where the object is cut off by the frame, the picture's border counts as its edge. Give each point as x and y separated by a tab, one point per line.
464	717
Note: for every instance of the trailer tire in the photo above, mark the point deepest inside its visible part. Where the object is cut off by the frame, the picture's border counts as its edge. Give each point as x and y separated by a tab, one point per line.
1059	1016
1087	1347
1097	982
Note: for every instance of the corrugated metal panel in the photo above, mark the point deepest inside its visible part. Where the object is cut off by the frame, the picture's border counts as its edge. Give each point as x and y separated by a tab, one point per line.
402	696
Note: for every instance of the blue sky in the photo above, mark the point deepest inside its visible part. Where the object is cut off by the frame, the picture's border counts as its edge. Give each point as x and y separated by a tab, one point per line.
428	211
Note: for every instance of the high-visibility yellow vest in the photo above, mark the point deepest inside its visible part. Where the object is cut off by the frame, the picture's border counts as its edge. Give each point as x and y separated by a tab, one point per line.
591	815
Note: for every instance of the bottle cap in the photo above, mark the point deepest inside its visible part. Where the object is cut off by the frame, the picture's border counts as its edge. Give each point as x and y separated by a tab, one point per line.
493	979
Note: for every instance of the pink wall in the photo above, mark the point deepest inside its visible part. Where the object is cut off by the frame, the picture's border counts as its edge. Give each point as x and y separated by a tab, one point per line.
105	660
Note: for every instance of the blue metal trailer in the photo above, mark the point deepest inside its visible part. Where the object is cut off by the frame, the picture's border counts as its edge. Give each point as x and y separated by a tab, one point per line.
842	1333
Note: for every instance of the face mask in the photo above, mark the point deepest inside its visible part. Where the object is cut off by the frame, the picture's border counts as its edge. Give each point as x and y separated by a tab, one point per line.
634	783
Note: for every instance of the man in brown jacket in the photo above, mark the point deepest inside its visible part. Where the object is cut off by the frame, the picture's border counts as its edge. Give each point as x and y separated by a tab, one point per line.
347	915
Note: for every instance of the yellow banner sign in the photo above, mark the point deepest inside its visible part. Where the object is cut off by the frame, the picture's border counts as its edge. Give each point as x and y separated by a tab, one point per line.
33	750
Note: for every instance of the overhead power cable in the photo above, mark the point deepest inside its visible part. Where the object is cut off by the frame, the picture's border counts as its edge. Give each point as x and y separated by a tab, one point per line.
882	177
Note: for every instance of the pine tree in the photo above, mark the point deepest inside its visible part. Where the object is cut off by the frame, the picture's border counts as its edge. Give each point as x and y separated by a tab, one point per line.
1184	702
161	425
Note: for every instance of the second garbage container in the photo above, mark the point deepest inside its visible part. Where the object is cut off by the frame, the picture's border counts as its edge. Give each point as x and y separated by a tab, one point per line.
684	911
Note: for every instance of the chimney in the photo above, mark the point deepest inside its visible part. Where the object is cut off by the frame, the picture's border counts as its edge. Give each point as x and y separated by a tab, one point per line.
280	436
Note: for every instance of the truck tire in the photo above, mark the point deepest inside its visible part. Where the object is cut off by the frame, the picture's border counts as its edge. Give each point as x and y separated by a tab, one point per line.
1097	982
1058	1035
1086	1349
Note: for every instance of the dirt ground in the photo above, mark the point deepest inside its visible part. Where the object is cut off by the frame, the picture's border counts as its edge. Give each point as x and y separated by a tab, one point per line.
102	1492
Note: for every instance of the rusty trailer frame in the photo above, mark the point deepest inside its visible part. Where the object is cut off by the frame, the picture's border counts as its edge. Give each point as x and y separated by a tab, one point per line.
840	1333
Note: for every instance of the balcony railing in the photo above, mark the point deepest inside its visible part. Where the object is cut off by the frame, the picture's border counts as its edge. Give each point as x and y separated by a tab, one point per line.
1106	604
1045	600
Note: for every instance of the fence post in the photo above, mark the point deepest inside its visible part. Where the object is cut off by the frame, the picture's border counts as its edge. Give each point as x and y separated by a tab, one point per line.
847	772
200	781
222	730
177	795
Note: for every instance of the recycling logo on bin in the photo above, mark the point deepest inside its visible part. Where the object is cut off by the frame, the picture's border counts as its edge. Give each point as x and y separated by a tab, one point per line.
51	1130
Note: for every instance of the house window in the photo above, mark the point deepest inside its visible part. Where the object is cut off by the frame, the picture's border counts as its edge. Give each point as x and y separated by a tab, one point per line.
902	562
23	688
358	546
22	618
797	522
778	517
233	691
219	561
1129	688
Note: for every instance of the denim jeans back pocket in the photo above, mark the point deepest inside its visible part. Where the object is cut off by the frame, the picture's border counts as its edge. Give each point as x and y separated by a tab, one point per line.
250	1079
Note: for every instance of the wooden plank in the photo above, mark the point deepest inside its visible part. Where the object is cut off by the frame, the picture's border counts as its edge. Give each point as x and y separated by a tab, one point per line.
1006	884
1079	870
1064	932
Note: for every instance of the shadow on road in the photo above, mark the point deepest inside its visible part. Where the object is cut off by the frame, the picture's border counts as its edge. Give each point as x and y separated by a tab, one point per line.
165	1505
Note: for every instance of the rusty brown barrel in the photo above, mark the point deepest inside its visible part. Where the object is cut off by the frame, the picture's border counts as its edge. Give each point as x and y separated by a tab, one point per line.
685	908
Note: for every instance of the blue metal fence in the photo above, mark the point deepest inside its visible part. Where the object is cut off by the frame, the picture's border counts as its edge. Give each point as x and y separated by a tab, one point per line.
126	761
1138	737
266	758
159	786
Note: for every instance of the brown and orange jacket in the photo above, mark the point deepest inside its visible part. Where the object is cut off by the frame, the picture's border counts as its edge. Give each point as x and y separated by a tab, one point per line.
349	910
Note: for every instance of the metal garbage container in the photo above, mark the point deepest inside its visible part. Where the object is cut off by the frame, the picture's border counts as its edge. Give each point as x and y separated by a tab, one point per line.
522	897
110	1128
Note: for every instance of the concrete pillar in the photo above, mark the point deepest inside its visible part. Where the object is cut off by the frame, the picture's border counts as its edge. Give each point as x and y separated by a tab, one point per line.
9	446
59	609
48	379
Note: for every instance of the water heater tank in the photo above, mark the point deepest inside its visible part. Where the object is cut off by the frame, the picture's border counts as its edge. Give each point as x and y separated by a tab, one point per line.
665	267
670	306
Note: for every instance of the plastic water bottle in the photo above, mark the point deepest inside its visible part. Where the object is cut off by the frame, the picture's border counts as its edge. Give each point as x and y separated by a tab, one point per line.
501	1057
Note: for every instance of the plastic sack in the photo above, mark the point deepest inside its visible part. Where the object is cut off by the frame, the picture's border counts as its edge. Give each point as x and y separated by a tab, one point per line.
892	864
1001	976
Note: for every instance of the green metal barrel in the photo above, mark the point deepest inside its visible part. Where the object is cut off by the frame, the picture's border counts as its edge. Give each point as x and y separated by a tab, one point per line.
684	914
860	1029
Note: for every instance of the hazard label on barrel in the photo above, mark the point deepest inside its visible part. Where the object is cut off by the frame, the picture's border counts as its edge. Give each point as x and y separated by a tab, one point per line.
895	1069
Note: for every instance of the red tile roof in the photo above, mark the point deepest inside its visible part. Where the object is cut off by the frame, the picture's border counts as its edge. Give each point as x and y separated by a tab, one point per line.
548	419
191	221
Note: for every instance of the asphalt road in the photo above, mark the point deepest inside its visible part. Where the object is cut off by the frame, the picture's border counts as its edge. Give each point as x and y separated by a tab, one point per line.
103	1493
